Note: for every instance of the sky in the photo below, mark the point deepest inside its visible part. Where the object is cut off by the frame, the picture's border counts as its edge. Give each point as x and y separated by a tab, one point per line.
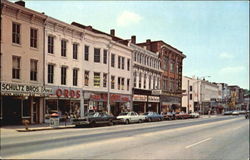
214	35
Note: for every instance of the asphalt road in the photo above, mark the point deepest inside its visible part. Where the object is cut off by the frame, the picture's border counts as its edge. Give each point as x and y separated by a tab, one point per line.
208	138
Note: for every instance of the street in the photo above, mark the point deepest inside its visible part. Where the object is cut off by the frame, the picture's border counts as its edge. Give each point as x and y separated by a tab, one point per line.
222	137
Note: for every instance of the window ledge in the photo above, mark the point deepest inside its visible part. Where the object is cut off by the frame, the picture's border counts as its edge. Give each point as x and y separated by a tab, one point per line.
17	45
34	49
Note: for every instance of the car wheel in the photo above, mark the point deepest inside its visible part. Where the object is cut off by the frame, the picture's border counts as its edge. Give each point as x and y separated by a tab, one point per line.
140	121
150	119
127	121
92	124
111	123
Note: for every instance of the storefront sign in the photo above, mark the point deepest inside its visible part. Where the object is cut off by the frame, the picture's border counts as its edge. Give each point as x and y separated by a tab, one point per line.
156	92
170	99
140	98
24	89
113	97
68	93
153	99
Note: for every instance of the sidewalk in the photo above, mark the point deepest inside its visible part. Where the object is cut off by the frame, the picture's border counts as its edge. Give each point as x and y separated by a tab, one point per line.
38	127
207	116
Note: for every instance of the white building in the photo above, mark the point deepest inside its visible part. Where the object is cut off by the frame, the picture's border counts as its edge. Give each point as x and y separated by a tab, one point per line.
22	89
146	77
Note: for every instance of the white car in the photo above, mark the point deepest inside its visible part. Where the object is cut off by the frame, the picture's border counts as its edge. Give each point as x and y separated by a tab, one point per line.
194	115
235	113
130	117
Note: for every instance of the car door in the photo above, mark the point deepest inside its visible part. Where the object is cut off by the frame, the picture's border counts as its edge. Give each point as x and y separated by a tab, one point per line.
132	116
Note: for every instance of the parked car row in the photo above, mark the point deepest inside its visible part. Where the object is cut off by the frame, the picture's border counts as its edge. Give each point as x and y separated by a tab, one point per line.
96	118
235	112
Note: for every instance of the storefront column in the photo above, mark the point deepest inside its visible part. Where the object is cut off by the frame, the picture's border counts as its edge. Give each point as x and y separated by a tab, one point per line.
31	110
157	108
41	110
81	105
145	107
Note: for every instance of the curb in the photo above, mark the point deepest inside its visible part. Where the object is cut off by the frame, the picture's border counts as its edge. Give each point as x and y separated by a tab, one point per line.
43	129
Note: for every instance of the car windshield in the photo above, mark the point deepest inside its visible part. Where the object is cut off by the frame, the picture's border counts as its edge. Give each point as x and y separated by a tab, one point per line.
90	114
123	114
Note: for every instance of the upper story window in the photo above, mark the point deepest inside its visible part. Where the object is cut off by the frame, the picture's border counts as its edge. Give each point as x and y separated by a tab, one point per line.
104	79
123	62
63	47
33	38
75	76
135	56
119	83
119	61
172	67
63	75
16	67
86	53
112	82
144	81
140	79
112	60
33	70
128	64
149	82
75	50
97	55
128	85
190	88
16	33
105	55
135	79
50	44
190	96
50	73
123	83
86	78
97	79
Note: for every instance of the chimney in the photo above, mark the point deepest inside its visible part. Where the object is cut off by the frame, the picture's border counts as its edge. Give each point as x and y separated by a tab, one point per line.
148	44
89	28
112	32
20	2
133	39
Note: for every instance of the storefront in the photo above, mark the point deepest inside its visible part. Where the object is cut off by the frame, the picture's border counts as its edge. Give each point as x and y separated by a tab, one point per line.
22	101
144	101
64	100
170	103
97	101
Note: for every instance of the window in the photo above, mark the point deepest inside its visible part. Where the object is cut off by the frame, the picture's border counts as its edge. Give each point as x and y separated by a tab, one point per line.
153	82
123	62
86	78
140	80
112	60
190	96
158	83
63	47
75	50
105	54
97	79
16	67
50	44
128	64
134	79
97	55
172	67
86	53
112	82
63	75
134	56
119	61
128	81
104	79
33	37
33	70
16	33
149	82
50	73
122	86
119	83
144	81
190	88
75	76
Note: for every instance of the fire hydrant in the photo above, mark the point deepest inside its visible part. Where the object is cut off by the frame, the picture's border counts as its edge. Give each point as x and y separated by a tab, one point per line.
26	124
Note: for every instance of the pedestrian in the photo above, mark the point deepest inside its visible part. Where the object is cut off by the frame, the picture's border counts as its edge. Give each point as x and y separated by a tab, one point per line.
209	112
173	112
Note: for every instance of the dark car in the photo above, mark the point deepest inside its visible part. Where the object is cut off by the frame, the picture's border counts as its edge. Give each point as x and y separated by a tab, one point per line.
94	118
168	116
153	116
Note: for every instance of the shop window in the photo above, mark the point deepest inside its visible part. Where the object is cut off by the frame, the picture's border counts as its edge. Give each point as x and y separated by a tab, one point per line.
128	64
16	33
86	53
63	75
63	47
123	81
51	44
119	61
104	79
86	78
119	83
33	38
16	67
97	55
105	55
50	73
97	79
112	82
26	108
112	60
1	107
75	76
75	50
128	81
33	70
123	62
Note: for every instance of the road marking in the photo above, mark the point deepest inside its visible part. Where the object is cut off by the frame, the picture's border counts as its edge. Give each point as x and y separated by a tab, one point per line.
198	143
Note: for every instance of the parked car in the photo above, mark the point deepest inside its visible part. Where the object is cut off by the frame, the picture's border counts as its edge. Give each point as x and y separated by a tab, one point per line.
235	113
168	116
228	113
242	111
153	116
94	118
194	115
182	115
130	117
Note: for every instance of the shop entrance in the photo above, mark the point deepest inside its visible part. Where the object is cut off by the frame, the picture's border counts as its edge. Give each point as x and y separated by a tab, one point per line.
35	111
11	110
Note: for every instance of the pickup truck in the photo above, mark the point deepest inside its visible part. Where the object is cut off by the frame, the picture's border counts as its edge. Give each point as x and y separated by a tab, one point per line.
130	117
